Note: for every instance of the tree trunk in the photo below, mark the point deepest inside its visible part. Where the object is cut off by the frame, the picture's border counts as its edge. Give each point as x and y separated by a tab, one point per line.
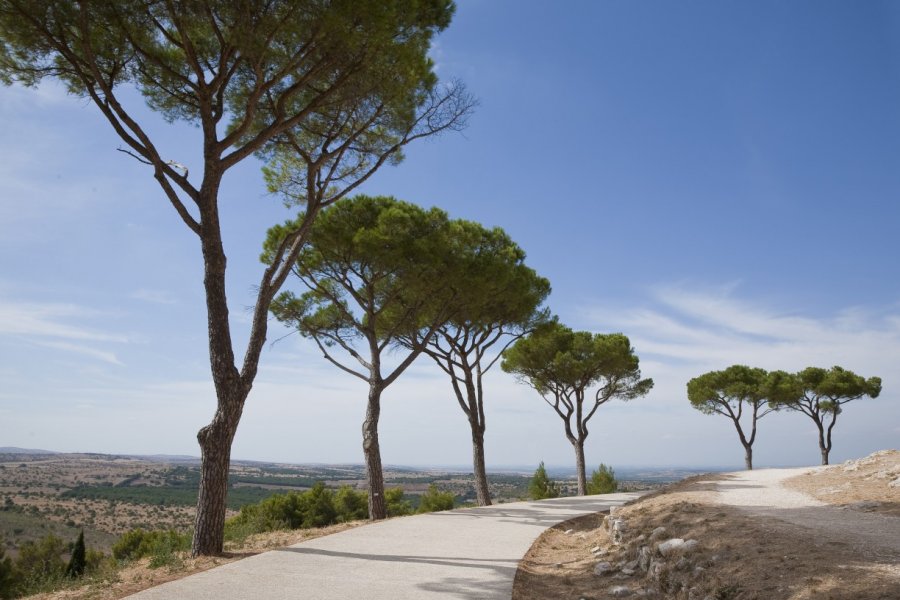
372	452
209	523
231	392
823	449
748	457
579	467
482	492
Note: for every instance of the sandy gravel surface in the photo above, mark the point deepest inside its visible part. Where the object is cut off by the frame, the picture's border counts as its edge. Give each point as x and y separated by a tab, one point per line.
762	492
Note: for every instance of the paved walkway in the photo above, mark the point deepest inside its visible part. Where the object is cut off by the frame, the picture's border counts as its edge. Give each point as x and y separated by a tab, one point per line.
462	554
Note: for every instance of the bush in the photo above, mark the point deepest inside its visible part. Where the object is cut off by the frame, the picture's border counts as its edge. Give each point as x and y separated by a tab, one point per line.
7	574
39	566
351	505
435	500
161	546
396	505
603	481
541	486
316	507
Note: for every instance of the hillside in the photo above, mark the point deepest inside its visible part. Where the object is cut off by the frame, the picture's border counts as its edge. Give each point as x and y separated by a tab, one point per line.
757	535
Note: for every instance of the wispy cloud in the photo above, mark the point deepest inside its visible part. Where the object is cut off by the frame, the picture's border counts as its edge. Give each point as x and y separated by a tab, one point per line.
57	326
713	328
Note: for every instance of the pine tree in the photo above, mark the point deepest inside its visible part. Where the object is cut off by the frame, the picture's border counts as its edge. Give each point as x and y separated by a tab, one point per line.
75	568
603	481
541	485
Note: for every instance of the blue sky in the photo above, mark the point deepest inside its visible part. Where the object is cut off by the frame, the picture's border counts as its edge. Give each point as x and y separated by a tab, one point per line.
717	180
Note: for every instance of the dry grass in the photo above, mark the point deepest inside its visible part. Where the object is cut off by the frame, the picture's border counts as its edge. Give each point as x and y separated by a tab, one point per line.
856	484
739	557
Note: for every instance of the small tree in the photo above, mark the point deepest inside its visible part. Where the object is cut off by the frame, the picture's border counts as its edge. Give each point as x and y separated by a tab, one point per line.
603	481
563	365
737	392
75	568
396	505
376	269
496	302
541	485
820	393
434	500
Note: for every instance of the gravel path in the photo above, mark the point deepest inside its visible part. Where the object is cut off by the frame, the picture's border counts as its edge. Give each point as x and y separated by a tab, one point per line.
761	493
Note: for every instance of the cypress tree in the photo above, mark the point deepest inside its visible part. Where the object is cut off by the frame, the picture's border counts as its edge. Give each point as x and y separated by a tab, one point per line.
75	567
541	485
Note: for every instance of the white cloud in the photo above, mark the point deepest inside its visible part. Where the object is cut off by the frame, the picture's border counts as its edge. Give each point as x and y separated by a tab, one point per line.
57	326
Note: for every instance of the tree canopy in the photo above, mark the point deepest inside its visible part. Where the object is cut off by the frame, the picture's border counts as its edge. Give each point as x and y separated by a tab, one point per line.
494	303
735	392
820	393
376	270
562	365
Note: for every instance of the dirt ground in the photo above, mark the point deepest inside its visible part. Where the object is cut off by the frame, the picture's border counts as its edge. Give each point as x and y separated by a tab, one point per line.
139	576
738	556
862	484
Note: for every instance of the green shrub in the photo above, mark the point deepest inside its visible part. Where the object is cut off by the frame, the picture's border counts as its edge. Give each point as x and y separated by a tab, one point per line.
351	505
39	566
435	500
603	481
541	485
396	505
7	574
160	545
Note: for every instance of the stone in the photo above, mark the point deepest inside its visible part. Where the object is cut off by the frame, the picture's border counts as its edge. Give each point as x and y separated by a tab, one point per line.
596	549
644	557
619	591
670	546
656	568
677	546
640	539
895	483
631	565
603	568
568	531
657	533
627	571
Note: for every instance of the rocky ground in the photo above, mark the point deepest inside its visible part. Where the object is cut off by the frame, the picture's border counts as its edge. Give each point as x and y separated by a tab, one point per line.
749	536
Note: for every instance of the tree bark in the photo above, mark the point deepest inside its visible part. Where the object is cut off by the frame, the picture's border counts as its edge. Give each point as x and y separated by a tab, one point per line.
372	452
579	466
215	439
748	457
482	491
822	449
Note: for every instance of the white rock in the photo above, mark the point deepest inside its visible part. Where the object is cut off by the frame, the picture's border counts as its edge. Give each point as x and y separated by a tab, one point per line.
602	568
568	531
657	533
895	483
644	556
689	546
627	571
670	546
619	591
595	549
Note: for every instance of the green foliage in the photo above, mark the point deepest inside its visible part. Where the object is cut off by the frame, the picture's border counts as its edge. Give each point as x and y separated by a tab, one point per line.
396	505
541	485
165	495
725	392
77	561
7	574
603	481
316	507
161	546
351	505
434	500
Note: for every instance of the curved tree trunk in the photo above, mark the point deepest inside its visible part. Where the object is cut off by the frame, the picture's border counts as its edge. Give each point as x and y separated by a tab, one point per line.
372	452
482	491
579	466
